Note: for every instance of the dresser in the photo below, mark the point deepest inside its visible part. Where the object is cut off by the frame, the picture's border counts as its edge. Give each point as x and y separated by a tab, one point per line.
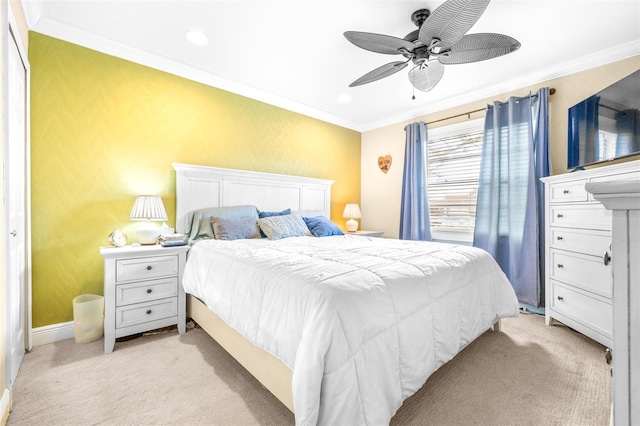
578	258
623	199
142	290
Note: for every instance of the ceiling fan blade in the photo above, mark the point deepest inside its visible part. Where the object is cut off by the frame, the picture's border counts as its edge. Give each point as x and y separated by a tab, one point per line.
479	47
425	77
380	72
379	43
450	21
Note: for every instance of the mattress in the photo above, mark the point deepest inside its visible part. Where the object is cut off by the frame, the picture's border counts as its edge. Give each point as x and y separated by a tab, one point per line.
362	322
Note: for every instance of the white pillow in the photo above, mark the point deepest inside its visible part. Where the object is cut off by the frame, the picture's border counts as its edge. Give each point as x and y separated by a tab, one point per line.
277	227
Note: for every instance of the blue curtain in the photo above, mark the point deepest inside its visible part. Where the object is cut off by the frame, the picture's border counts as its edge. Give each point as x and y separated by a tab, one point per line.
510	208
414	210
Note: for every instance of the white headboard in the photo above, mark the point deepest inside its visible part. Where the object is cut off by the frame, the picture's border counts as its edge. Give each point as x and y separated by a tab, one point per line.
200	187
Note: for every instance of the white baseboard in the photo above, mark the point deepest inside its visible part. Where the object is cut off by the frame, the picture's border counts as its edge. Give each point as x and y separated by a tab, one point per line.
5	405
52	333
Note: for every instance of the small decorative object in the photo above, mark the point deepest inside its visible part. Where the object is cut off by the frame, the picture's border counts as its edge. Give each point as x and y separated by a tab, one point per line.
352	212
384	163
171	240
148	208
117	238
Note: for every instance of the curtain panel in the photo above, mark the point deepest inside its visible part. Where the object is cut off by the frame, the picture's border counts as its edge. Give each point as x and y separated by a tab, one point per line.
510	208
415	223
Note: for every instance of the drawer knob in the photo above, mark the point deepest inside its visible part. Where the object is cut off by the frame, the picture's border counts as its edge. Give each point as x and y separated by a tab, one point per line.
566	191
606	258
560	215
148	311
559	238
149	290
560	298
560	265
149	268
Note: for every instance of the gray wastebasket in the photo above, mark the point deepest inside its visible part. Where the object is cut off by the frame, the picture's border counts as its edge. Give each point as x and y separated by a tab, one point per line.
88	317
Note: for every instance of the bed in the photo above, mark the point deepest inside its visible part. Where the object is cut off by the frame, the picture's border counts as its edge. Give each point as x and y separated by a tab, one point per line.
341	328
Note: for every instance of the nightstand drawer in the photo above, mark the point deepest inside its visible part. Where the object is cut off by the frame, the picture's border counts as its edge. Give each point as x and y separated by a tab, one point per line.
127	316
146	291
146	268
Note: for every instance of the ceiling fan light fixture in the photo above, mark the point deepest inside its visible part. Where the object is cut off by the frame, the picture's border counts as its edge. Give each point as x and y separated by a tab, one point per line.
441	39
197	37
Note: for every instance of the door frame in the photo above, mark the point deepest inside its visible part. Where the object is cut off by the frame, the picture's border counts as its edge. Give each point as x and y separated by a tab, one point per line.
12	35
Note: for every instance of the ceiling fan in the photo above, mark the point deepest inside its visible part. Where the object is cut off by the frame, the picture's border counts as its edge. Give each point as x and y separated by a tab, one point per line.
439	40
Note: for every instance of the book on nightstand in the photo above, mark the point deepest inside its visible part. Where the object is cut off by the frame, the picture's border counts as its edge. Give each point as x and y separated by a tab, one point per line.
173	240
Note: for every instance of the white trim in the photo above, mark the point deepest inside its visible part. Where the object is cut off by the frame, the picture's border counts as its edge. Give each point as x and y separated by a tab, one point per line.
62	31
5	404
22	50
593	60
52	333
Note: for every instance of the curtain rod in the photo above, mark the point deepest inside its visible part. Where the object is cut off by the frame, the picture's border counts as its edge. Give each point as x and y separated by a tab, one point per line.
551	92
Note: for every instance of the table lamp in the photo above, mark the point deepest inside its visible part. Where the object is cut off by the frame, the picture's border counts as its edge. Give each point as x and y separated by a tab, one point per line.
148	208
352	212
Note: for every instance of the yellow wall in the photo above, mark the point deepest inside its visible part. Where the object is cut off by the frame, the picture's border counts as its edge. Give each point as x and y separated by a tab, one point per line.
381	193
104	130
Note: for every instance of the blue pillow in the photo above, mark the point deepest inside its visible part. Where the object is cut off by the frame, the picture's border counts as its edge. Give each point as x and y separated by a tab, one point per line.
269	214
320	226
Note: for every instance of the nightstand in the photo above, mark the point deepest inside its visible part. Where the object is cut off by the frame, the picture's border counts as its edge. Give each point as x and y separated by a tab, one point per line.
142	290
366	233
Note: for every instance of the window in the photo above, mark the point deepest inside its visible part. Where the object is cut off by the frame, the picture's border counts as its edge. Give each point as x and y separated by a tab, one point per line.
453	169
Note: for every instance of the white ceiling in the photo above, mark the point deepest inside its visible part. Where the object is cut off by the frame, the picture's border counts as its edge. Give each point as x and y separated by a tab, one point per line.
292	53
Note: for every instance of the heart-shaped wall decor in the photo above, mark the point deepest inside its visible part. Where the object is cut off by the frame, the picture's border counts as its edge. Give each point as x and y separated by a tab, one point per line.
384	163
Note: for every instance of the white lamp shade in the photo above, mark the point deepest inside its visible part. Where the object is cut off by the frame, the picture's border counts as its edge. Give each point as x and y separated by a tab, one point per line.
148	208
352	212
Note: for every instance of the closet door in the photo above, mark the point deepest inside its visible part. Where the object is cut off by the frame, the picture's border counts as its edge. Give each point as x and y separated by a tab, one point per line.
17	279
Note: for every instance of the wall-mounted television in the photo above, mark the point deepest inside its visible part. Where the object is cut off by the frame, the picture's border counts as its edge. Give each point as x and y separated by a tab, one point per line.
605	126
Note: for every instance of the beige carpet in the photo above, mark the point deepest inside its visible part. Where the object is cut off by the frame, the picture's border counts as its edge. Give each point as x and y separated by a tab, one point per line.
528	374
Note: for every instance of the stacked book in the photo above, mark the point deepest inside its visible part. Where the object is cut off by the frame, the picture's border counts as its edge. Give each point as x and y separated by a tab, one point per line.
172	240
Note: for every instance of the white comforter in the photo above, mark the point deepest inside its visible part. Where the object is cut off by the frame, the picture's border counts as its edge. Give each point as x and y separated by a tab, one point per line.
361	321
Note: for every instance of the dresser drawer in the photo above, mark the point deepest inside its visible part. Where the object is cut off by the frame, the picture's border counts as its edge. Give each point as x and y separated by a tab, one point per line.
583	271
591	216
130	315
565	192
593	312
594	243
146	291
146	268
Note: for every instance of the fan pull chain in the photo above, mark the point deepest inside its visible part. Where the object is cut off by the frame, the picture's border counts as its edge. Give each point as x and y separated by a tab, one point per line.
413	96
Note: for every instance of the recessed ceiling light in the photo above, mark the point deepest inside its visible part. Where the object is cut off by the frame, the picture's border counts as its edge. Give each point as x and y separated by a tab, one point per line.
197	37
344	98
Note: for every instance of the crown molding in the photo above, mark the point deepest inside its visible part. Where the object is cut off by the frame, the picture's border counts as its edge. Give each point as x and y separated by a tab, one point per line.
53	28
593	60
65	32
32	10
